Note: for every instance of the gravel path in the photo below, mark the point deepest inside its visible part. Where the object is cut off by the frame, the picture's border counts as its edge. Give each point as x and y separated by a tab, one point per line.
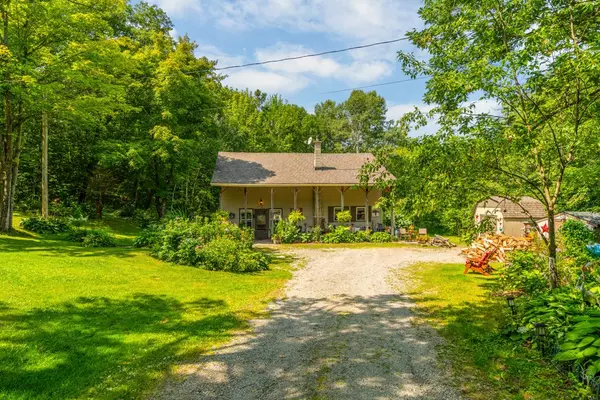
342	332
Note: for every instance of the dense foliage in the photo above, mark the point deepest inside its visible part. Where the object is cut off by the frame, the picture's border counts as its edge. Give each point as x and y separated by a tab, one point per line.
92	237
287	230
51	225
213	243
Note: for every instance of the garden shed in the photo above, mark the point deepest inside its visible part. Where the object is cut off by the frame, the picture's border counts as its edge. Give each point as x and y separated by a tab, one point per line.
509	217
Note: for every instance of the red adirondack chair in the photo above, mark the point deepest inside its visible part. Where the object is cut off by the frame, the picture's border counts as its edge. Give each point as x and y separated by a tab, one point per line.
481	265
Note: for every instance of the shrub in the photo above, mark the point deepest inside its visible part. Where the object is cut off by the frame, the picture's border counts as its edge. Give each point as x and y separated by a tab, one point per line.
214	243
148	237
306	237
287	230
381	237
344	216
93	237
341	234
40	225
362	236
582	342
226	254
296	217
556	308
575	237
524	273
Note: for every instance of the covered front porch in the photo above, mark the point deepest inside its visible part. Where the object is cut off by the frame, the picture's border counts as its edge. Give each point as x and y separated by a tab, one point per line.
261	207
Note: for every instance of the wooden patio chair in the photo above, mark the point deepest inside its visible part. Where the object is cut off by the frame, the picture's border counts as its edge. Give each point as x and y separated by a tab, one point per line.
403	235
481	265
423	237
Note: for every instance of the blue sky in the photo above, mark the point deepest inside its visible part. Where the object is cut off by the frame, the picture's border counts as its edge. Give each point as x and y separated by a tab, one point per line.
242	31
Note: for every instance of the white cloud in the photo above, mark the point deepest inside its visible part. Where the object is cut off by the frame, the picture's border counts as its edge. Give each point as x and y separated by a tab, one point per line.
395	112
179	7
357	19
266	81
213	53
322	66
362	19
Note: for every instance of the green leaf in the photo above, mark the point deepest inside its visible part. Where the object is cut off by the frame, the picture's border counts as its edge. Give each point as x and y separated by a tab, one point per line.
568	346
568	355
590	351
586	340
591	371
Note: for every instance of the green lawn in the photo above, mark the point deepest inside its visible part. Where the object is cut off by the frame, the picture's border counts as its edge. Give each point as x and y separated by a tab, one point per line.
485	364
111	323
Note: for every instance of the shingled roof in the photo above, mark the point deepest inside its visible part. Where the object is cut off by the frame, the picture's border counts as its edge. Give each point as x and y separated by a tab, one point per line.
287	169
511	209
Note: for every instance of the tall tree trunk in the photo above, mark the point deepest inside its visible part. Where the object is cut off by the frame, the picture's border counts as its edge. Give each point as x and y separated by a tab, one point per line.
552	272
15	167
99	206
6	166
44	165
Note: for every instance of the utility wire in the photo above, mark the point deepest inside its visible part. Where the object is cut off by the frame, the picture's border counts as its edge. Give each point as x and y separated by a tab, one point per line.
311	55
376	85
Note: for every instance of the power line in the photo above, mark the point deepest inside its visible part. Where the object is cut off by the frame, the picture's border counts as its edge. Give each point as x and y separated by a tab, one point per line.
376	85
311	55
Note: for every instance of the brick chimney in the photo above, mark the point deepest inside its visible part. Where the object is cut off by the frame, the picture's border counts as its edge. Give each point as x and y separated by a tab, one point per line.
318	164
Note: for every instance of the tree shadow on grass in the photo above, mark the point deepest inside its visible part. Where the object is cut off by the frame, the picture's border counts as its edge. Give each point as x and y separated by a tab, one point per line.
345	347
100	347
62	247
487	364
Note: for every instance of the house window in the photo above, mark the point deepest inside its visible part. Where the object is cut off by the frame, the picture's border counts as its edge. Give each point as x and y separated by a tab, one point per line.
247	218
360	213
336	210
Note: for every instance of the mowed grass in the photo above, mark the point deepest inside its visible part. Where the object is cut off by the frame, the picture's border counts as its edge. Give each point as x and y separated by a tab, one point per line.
111	323
485	365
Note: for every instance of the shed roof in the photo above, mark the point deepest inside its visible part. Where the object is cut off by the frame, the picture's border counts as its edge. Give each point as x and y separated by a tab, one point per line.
287	169
511	209
592	218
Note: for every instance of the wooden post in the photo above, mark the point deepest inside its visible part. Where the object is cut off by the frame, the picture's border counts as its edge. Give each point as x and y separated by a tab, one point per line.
272	216
44	165
245	205
295	191
317	206
366	190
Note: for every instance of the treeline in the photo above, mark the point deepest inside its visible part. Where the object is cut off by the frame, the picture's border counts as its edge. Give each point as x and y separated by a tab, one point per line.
136	117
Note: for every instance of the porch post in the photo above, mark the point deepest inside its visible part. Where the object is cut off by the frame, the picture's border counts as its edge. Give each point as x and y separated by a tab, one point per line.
367	207
295	191
317	206
245	205
342	190
272	215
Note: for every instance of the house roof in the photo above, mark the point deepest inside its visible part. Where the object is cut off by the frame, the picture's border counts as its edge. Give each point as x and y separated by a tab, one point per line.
511	209
288	169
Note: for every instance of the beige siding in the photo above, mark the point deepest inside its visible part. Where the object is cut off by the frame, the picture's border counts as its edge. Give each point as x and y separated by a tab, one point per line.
514	227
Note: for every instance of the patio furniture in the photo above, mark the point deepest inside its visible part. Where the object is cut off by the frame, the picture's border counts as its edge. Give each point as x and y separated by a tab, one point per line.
422	237
481	265
403	235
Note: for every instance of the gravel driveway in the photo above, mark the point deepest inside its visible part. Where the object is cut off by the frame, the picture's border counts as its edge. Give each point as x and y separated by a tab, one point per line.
344	331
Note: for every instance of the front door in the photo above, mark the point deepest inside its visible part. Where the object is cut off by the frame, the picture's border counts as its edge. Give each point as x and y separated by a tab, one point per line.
261	230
